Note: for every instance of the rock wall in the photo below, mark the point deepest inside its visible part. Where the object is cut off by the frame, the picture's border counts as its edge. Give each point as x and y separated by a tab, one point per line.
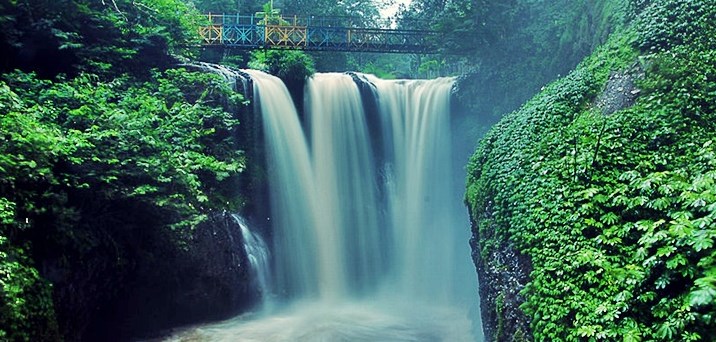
208	279
502	274
147	282
592	181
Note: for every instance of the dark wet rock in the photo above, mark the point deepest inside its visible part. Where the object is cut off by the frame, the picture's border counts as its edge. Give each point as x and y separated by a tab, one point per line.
502	275
143	279
206	279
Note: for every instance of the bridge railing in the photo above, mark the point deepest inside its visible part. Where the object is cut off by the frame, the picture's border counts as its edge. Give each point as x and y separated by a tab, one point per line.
312	33
315	21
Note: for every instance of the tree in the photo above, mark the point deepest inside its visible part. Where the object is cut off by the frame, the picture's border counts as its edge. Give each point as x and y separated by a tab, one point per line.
69	36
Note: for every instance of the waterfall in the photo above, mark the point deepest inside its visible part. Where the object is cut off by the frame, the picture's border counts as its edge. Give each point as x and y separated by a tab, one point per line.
346	187
292	186
430	250
258	254
370	238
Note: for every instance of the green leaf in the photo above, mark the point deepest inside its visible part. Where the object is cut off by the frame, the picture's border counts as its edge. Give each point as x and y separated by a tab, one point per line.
702	240
666	331
609	218
587	330
704	295
676	261
660	203
665	251
633	335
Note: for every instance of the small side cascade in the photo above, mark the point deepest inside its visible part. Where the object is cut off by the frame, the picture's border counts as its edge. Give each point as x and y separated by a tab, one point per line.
258	255
230	75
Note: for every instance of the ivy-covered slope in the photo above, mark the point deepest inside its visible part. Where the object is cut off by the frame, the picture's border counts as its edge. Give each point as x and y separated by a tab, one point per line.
606	183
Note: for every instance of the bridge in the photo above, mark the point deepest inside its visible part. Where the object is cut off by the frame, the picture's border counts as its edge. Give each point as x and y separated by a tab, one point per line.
313	34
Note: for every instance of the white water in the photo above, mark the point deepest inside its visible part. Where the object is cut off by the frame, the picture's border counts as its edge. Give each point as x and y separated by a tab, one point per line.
258	254
364	249
350	242
428	219
293	201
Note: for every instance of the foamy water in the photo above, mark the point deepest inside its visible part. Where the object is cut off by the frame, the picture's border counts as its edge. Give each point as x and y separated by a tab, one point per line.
355	322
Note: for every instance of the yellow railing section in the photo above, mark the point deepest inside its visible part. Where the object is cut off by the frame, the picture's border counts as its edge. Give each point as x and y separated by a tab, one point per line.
212	34
280	32
276	30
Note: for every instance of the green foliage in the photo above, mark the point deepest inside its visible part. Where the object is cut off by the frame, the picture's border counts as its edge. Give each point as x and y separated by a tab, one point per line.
75	152
481	27
513	48
26	311
366	10
616	212
499	310
244	7
289	65
104	151
668	23
124	139
235	61
385	66
379	71
115	36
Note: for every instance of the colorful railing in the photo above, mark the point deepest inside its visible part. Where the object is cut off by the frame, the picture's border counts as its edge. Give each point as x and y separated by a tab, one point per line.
313	33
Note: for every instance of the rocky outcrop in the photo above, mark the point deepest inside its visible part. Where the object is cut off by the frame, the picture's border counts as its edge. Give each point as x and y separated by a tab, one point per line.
208	279
621	91
150	280
502	275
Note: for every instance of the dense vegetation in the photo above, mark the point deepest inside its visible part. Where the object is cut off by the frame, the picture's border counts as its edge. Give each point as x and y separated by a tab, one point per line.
101	37
80	157
104	142
613	205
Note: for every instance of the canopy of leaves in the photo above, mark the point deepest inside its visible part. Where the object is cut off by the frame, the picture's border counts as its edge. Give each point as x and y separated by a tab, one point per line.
68	36
365	9
513	48
26	310
100	140
245	7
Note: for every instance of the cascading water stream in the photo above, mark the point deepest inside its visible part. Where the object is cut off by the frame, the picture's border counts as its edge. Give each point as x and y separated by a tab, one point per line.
430	251
365	248
258	254
346	187
292	190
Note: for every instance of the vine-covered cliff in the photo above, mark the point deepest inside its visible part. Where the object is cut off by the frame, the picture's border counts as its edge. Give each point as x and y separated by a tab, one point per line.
594	205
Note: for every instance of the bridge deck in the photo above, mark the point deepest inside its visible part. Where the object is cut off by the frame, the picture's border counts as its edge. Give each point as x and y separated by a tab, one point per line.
312	33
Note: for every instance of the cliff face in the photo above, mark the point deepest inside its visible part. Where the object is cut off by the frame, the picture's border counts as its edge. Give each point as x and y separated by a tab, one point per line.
593	205
110	229
502	275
